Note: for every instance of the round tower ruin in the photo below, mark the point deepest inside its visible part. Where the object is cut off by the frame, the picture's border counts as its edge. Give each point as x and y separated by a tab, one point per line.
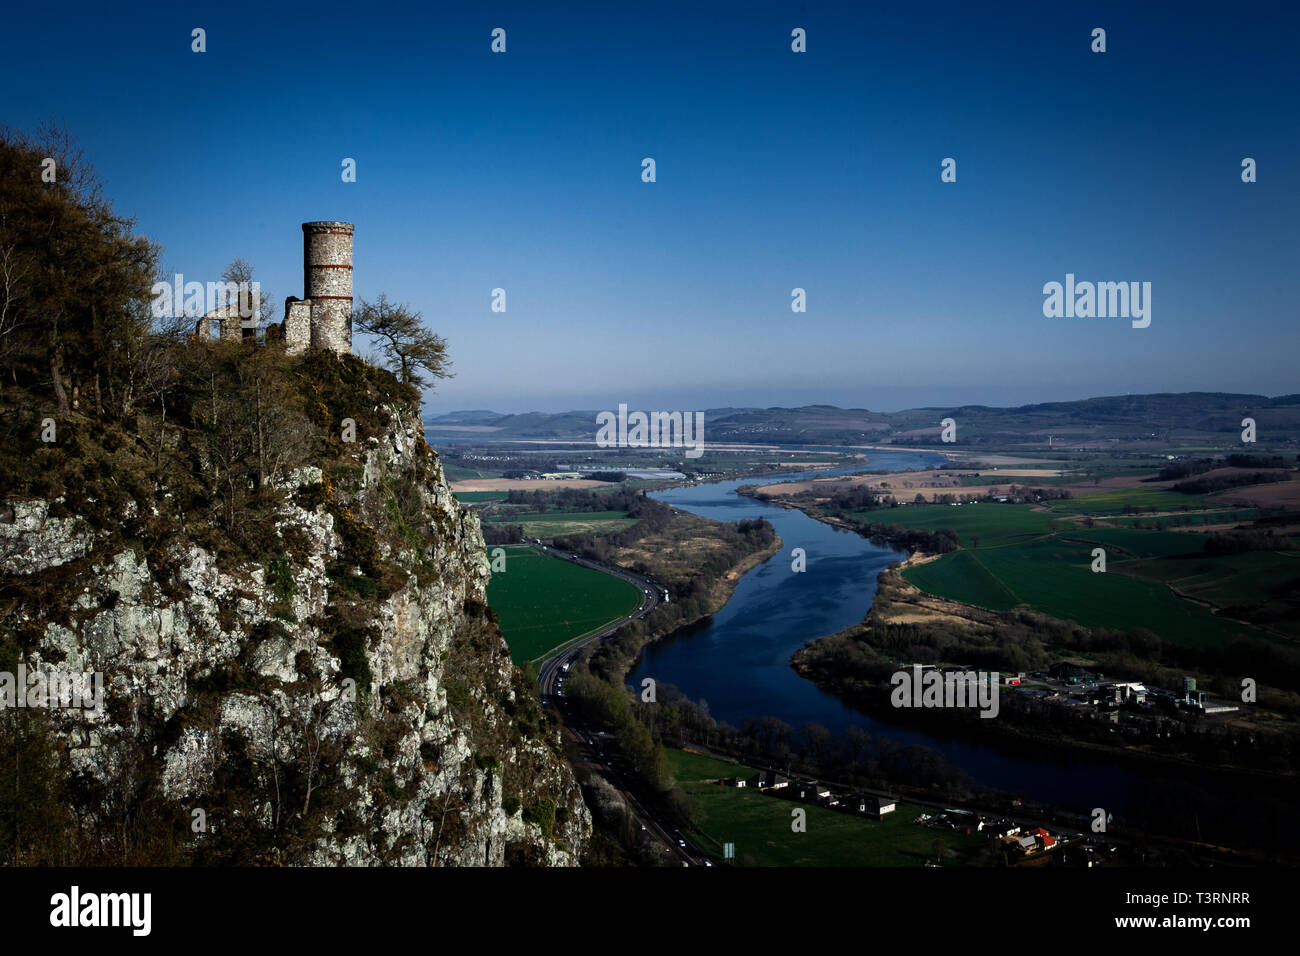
327	282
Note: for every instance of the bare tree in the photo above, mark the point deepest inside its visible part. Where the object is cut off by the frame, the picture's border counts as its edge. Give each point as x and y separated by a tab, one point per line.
14	270
264	750
240	271
446	808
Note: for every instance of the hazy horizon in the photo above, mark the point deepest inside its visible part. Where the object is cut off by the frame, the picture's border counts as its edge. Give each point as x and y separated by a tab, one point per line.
434	408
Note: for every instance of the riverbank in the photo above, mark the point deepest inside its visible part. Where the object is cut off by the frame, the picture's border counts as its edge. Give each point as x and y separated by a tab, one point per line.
855	665
674	557
739	664
722	589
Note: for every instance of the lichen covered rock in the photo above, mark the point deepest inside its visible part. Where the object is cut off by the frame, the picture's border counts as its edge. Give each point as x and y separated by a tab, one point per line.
347	701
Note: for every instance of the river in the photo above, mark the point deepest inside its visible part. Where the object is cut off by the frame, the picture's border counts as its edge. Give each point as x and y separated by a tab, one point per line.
738	661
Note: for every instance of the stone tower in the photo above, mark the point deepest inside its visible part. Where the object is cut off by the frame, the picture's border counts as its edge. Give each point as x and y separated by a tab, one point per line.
327	283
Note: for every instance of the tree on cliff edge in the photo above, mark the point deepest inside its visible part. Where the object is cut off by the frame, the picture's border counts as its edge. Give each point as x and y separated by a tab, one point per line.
408	347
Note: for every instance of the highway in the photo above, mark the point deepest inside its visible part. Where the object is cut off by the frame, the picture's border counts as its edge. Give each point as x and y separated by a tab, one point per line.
554	666
589	744
598	751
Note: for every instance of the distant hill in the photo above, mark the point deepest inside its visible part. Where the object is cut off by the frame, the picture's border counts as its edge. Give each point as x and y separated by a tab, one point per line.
1131	421
465	417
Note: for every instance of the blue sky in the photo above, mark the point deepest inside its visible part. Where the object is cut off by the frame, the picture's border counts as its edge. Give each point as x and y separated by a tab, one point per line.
774	170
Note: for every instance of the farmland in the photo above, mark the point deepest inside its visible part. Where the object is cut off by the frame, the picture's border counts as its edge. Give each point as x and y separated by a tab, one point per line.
1132	542
481	495
994	525
1114	502
1054	576
1189	519
543	602
1018	555
1261	586
553	524
690	767
460	473
759	825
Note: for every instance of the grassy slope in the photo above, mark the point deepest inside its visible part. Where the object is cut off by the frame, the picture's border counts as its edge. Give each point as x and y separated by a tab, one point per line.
691	768
1264	581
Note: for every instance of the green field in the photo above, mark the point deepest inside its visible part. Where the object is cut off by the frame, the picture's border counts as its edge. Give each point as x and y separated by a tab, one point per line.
1264	584
544	601
553	524
961	576
461	473
1114	502
759	825
691	768
1135	543
995	525
481	495
1238	515
559	517
1054	576
1020	561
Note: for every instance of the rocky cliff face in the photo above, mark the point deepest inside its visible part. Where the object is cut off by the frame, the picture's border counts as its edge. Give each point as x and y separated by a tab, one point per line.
348	702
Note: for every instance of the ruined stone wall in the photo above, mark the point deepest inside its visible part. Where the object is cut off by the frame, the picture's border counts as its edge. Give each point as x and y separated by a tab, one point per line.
297	325
232	325
327	282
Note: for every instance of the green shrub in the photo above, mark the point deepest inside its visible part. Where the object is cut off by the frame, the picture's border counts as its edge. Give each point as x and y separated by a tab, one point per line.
458	699
280	577
361	585
542	813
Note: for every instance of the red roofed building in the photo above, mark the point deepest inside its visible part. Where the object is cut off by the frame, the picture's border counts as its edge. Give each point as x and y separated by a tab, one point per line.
1045	840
